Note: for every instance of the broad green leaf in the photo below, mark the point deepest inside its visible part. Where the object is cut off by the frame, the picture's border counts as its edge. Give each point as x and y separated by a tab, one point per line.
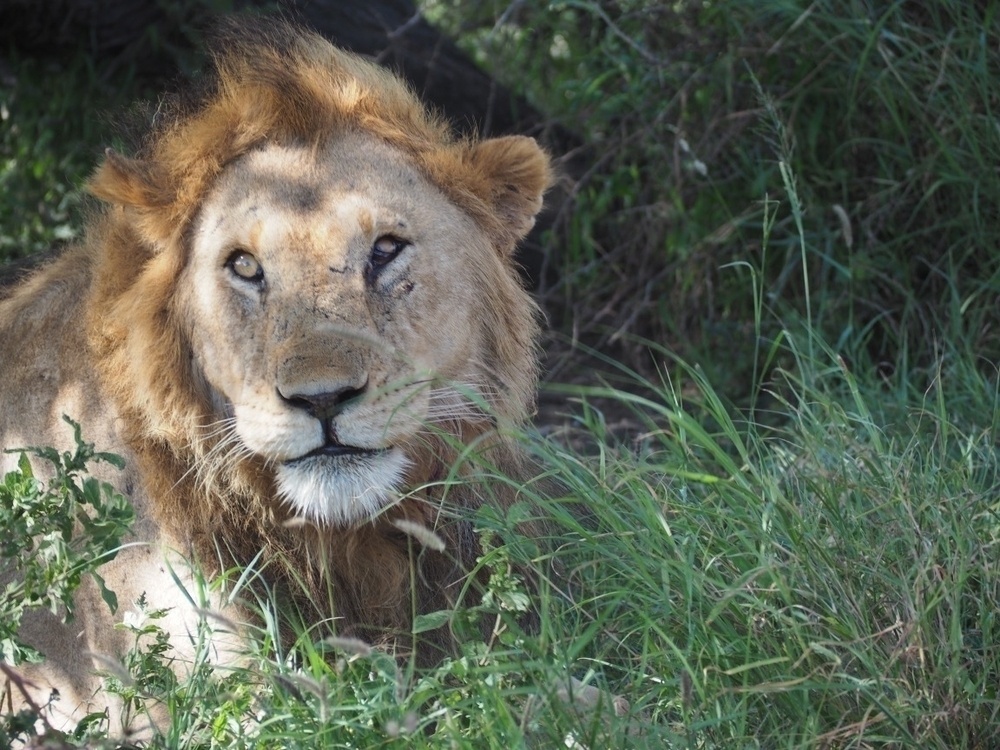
431	620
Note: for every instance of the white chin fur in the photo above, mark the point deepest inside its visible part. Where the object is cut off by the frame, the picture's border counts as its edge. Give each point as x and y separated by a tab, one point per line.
342	491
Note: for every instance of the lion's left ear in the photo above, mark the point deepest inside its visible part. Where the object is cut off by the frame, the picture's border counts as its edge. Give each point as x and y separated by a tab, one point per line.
128	182
514	173
141	186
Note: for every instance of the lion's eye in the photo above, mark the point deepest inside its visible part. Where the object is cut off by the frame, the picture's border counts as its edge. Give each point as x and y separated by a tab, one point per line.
247	267
384	251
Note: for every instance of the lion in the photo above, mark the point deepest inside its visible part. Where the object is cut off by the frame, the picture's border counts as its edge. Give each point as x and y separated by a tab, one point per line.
295	306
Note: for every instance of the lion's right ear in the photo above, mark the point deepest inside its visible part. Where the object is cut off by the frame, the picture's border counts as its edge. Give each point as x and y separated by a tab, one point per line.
129	182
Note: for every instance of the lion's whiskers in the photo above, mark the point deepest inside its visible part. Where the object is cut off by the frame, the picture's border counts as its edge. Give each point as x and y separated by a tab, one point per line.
218	427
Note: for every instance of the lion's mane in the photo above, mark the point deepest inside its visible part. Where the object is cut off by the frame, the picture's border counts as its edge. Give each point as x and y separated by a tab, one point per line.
276	82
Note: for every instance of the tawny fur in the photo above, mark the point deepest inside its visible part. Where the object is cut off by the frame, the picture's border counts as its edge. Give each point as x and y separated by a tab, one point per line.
103	322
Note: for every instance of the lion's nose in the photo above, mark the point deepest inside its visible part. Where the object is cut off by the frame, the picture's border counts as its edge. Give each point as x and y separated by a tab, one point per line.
327	404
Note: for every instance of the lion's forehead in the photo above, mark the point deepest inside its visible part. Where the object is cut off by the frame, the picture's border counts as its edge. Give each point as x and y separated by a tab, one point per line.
355	187
337	219
303	179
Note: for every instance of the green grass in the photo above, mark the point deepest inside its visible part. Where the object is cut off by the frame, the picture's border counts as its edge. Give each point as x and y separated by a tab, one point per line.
832	578
795	543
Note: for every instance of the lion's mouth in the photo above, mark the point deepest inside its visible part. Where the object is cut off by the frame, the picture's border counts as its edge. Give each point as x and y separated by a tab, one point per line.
337	450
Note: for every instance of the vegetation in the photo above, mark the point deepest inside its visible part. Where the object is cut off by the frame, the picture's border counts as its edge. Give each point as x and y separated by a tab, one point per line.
56	532
885	112
792	543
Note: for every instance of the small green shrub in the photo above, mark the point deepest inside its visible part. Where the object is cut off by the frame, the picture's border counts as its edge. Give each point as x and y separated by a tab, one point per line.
55	532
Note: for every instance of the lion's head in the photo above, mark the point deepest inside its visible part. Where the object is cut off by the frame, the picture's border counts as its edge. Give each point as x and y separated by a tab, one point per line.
304	274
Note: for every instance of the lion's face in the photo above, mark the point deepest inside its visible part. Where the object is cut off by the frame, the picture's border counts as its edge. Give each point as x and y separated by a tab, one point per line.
336	303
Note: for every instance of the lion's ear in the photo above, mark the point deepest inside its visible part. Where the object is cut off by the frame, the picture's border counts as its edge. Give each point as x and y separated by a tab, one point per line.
514	174
128	182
